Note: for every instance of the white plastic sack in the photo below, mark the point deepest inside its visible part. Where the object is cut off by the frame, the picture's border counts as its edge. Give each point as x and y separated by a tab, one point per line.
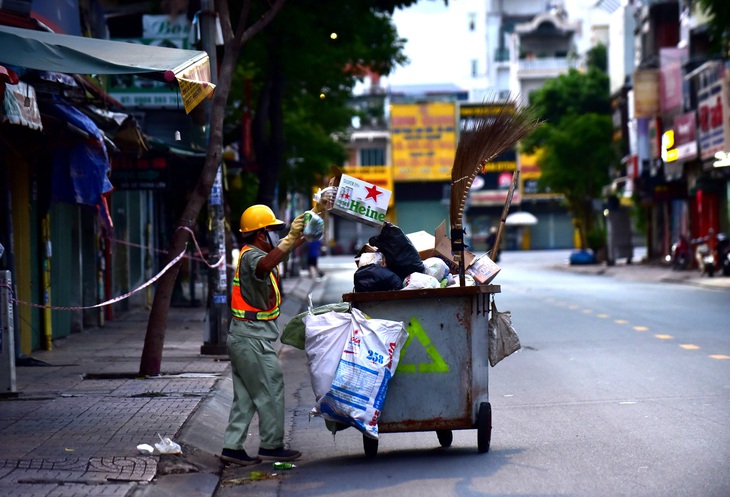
376	258
359	383
325	336
416	281
436	267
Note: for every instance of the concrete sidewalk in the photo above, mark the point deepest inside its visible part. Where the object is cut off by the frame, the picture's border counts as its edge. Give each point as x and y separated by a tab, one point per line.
80	412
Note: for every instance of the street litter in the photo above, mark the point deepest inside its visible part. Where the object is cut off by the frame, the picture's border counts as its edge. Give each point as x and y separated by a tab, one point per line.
167	446
145	449
252	476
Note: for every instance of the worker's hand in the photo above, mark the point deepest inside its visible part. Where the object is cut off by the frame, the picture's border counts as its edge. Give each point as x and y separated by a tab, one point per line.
324	199
295	232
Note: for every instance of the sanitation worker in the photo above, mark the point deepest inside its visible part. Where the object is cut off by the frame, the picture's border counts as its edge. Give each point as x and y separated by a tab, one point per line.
258	384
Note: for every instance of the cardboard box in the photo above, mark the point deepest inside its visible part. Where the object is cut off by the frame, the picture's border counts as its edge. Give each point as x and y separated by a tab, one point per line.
361	201
424	243
439	246
483	270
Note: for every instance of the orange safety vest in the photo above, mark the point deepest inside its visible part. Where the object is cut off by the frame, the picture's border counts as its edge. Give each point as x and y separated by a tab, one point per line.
243	310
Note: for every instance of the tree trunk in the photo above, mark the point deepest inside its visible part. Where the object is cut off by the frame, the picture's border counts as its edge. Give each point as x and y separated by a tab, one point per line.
156	325
151	360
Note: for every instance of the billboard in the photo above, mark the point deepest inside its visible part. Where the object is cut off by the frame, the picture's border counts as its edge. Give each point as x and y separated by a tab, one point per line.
646	93
423	140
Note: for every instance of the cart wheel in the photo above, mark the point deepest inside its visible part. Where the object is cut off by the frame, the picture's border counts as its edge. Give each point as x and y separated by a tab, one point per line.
484	427
370	445
445	437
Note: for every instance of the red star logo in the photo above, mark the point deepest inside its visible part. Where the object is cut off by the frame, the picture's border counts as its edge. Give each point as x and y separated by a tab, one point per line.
373	193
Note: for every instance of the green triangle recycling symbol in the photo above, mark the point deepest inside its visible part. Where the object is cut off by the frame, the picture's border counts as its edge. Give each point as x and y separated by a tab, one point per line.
437	364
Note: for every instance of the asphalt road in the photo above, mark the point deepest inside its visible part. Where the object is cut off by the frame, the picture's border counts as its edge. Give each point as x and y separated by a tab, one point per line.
622	388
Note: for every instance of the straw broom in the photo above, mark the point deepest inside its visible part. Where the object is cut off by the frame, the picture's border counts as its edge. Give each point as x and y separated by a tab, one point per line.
489	136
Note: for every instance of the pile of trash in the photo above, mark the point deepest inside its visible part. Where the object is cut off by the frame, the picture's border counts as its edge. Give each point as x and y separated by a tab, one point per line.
393	260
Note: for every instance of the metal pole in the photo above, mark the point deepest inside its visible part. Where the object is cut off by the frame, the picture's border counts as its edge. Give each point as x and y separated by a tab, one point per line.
7	342
218	309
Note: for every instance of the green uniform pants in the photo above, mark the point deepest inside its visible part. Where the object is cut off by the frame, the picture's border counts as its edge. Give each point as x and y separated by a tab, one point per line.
258	386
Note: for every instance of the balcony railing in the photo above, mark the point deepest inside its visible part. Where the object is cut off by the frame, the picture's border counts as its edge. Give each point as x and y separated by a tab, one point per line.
551	64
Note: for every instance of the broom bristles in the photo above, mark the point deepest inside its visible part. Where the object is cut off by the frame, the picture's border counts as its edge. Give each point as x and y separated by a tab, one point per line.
489	136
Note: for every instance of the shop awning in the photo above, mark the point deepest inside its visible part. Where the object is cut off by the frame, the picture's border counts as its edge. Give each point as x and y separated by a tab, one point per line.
46	51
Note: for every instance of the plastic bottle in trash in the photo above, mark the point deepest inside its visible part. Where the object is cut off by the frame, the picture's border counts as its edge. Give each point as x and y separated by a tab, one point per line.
283	465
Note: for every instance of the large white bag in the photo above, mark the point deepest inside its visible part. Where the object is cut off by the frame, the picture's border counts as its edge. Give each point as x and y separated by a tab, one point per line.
351	387
325	336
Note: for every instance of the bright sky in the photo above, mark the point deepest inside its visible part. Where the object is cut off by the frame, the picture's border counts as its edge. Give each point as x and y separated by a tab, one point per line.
418	24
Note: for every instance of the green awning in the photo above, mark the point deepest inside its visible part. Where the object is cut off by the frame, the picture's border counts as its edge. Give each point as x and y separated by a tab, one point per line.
53	52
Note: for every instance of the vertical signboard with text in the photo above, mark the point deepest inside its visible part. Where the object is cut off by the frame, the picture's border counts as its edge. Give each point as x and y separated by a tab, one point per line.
712	103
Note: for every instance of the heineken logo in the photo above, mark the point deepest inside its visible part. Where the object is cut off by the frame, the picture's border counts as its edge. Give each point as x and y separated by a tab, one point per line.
361	201
362	210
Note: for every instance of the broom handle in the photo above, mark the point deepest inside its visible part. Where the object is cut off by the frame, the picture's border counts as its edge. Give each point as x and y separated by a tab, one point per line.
505	210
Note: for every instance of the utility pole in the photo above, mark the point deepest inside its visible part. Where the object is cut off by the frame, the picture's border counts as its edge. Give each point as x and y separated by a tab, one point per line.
218	309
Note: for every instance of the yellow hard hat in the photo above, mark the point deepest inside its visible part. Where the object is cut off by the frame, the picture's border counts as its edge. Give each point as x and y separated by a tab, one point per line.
257	217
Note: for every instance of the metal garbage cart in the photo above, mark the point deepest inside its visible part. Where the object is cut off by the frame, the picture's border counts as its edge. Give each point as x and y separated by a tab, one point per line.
441	383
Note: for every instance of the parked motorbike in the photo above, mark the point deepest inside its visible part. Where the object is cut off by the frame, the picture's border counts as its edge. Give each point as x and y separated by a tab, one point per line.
712	253
704	257
680	253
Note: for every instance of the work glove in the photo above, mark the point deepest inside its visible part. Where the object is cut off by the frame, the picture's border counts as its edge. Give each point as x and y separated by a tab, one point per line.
295	232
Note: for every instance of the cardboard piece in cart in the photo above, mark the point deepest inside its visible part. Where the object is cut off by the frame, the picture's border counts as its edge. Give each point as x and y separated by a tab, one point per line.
438	246
483	270
359	200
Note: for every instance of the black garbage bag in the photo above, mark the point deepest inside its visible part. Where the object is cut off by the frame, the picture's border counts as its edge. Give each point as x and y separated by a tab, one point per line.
401	256
375	278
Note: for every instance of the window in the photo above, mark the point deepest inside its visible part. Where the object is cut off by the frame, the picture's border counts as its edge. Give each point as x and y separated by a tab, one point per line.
474	68
372	156
472	21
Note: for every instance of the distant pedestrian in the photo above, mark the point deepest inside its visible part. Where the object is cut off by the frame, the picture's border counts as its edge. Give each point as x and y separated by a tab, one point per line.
258	381
314	249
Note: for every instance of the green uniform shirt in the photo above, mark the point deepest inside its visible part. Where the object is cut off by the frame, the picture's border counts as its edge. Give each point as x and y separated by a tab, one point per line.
256	292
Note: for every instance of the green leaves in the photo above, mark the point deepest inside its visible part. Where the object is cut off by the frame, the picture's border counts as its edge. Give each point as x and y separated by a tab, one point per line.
576	143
